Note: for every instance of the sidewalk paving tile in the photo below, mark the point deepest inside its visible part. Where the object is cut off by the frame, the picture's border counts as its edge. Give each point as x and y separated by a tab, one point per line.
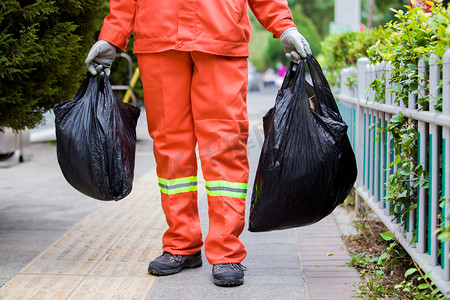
104	255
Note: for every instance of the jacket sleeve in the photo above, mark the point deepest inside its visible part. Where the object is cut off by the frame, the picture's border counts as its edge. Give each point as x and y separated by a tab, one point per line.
118	25
274	15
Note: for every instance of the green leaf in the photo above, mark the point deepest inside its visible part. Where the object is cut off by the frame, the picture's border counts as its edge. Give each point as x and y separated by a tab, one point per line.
396	118
382	257
422	286
404	194
410	271
387	236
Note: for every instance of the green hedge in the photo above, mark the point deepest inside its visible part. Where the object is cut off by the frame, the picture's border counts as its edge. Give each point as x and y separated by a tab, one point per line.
43	47
414	35
343	49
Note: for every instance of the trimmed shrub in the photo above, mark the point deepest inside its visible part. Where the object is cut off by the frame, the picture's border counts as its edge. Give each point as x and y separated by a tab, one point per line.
343	49
43	47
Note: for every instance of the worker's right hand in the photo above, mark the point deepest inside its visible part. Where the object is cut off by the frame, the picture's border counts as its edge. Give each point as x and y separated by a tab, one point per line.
100	58
295	45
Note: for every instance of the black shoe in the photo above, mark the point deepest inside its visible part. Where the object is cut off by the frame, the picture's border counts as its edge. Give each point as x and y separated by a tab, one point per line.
168	264
231	274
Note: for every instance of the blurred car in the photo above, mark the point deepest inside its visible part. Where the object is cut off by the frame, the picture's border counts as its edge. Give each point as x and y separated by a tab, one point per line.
255	81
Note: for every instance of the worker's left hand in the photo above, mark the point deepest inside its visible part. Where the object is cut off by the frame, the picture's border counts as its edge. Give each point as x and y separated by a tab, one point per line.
100	58
294	44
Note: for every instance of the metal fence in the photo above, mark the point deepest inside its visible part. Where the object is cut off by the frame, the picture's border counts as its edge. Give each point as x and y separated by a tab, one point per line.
373	149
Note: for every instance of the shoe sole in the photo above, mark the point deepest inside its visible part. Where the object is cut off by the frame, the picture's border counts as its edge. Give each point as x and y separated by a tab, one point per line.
157	272
228	282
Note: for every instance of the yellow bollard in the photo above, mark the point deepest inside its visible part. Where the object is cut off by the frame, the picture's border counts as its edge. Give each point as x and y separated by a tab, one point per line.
133	81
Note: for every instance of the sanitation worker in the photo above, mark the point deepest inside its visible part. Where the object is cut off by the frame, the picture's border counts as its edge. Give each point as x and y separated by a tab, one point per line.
192	58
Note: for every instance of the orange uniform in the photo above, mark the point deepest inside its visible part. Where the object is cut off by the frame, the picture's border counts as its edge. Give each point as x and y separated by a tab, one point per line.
219	27
192	57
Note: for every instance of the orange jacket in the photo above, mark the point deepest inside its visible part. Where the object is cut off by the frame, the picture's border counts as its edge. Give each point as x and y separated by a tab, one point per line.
219	27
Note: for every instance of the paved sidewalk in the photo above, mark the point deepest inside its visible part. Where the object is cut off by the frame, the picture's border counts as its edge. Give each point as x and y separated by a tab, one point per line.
106	254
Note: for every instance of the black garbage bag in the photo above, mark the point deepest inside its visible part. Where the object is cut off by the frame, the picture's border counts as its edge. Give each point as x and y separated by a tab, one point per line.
307	166
96	141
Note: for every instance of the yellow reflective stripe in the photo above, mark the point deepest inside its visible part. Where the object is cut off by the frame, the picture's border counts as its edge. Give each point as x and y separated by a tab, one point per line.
223	183
191	188
226	189
178	185
222	193
170	182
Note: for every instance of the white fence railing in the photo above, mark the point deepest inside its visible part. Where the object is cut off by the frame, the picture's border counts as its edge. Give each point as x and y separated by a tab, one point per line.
374	155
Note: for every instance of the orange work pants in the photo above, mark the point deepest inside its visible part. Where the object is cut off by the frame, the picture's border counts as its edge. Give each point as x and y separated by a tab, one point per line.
198	98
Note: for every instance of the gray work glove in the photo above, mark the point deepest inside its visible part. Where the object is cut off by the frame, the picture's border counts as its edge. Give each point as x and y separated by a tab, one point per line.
295	45
100	58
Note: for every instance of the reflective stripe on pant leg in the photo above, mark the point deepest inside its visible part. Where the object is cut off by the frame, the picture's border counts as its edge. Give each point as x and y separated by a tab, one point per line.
179	185
226	189
166	79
